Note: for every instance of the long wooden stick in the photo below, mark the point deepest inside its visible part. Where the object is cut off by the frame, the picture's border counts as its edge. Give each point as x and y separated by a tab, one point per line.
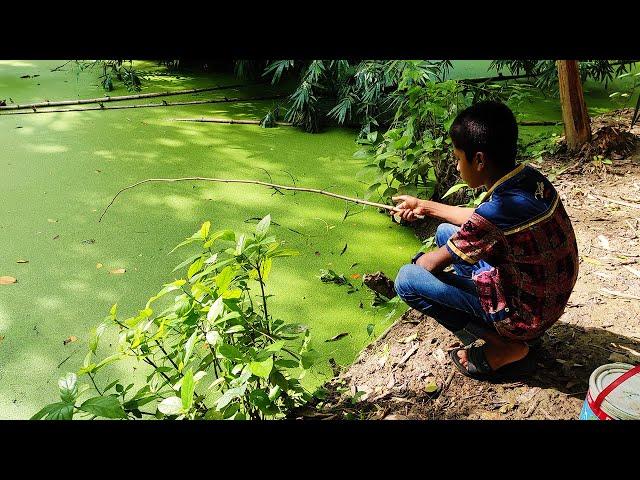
120	98
163	104
254	182
535	123
226	120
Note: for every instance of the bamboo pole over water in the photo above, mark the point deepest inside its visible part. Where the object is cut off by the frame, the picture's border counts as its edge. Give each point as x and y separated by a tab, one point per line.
227	120
120	98
163	104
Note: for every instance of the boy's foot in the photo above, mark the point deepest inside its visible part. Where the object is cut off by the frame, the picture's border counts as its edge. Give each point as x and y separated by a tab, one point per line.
498	352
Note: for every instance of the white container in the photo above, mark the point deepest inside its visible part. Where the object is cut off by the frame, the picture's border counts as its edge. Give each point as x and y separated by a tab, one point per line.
622	402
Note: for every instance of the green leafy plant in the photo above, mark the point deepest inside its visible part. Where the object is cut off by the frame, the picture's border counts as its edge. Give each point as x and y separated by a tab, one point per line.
413	156
270	119
538	146
214	353
113	70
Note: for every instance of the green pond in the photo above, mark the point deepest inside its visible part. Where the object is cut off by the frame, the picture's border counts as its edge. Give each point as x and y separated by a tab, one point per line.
59	171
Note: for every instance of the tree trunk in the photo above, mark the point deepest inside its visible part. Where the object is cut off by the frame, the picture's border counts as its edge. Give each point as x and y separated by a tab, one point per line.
577	128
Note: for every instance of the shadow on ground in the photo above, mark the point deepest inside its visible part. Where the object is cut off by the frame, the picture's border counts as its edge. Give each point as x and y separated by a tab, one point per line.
398	373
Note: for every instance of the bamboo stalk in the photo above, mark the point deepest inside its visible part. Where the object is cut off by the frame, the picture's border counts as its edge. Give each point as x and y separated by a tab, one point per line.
163	104
227	120
120	98
533	123
254	182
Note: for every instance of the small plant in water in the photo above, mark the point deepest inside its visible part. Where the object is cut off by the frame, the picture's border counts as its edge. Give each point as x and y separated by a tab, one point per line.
216	352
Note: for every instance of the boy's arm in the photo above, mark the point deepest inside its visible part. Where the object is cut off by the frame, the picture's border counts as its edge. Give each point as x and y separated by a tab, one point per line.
410	207
435	261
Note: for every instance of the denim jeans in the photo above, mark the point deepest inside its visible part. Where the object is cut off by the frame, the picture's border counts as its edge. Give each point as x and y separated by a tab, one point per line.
449	298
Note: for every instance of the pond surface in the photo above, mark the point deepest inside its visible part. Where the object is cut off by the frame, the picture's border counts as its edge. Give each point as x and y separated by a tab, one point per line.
59	171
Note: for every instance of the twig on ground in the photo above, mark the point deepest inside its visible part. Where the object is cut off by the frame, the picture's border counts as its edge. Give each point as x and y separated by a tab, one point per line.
532	408
620	294
407	355
618	202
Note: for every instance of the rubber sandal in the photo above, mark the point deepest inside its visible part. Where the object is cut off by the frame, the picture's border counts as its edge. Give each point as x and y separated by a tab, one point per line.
477	365
479	369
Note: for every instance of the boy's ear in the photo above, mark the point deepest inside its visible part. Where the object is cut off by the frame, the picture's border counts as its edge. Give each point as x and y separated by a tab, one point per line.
480	160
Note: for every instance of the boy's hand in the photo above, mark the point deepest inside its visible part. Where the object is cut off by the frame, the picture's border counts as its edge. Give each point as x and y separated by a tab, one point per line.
409	208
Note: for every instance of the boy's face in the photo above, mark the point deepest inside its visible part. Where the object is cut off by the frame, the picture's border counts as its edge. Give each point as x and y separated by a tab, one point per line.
470	171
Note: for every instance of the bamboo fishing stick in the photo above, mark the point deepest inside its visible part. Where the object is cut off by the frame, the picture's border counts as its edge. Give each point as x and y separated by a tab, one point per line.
163	104
254	182
227	120
120	98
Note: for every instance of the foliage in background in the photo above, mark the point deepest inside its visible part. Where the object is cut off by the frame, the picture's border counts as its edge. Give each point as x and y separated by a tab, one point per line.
414	156
214	353
539	145
114	70
347	92
545	74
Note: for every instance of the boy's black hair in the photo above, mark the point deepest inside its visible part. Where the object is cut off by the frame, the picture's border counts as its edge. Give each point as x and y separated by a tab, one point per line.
488	127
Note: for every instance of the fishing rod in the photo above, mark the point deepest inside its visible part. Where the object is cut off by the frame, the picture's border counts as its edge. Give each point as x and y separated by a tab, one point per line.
253	182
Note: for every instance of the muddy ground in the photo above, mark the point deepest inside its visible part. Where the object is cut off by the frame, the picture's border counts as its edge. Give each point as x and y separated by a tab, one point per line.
407	374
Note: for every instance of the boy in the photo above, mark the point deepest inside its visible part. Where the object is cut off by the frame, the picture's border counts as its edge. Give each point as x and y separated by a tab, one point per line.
515	256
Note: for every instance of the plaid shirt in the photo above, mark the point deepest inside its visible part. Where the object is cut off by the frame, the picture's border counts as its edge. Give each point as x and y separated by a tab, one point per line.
524	233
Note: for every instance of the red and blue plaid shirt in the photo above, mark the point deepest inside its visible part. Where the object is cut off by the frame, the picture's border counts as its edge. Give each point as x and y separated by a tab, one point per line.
524	233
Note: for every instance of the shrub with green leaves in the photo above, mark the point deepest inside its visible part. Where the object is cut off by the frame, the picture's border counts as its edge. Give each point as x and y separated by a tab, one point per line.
216	351
413	156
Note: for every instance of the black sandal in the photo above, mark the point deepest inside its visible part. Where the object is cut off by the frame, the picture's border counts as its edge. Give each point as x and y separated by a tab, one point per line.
477	365
479	369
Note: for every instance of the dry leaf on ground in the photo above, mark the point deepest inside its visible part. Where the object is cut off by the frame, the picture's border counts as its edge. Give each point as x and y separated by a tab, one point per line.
439	355
604	241
72	338
7	280
527	396
618	357
592	261
99	265
118	271
22	261
410	338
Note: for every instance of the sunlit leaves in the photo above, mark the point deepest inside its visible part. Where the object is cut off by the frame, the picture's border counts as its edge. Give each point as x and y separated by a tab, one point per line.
212	326
170	406
106	406
68	386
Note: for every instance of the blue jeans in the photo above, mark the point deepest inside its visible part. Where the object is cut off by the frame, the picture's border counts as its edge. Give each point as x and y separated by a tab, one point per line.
449	298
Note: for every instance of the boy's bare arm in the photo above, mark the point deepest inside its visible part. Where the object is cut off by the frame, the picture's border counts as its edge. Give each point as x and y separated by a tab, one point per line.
410	207
435	261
